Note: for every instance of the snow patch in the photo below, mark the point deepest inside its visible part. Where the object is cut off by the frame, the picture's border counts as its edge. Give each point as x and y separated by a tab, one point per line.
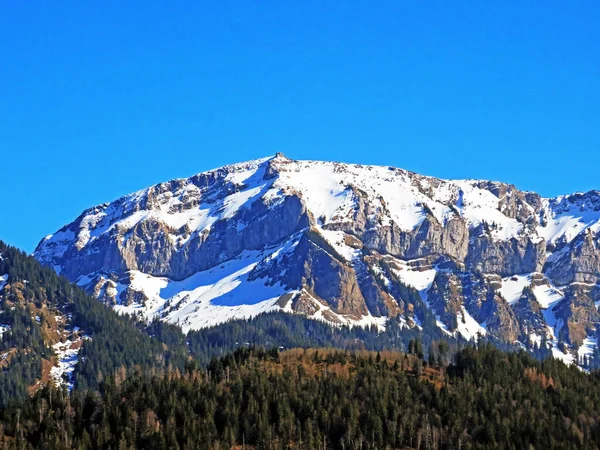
365	321
568	218
480	205
67	357
326	188
587	348
566	358
547	295
3	329
467	326
337	241
551	297
210	297
421	280
512	287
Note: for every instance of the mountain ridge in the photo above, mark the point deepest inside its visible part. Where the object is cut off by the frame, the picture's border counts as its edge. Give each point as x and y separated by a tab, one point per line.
344	243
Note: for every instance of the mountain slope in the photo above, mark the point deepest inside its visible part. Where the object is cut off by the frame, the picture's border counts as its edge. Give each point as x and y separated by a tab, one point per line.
316	399
345	243
48	325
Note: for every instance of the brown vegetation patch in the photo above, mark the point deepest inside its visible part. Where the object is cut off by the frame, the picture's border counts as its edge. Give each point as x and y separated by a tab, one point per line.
535	376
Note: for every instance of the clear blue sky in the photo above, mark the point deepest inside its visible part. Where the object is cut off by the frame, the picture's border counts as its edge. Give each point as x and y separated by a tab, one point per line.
98	99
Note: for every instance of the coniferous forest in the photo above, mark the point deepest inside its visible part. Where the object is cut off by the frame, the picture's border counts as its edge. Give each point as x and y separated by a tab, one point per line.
319	399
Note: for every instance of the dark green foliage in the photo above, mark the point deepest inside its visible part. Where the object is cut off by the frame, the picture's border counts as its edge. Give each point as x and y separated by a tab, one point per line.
24	338
279	329
23	371
22	331
22	345
116	341
489	399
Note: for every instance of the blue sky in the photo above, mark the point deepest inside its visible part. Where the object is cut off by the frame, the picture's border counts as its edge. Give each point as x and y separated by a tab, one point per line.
98	99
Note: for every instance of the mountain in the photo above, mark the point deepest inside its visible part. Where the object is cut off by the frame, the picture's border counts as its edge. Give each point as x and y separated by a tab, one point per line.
347	244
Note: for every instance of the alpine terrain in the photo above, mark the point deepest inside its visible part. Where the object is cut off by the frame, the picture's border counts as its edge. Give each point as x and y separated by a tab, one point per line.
350	245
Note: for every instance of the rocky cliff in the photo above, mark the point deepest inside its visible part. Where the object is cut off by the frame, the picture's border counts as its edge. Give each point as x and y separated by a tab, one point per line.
345	243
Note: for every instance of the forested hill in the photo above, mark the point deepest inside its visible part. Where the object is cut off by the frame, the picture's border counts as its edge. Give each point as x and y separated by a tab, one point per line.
324	399
48	325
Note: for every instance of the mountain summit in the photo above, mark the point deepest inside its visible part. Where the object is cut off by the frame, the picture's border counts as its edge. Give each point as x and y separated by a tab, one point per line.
348	244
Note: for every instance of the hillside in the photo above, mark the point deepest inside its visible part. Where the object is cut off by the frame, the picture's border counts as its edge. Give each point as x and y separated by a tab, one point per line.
347	244
325	399
48	325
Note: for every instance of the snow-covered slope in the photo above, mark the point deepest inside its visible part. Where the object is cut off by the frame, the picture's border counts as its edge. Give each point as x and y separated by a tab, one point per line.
345	243
67	356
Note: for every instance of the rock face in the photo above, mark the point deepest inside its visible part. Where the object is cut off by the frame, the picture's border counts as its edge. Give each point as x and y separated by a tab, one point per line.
348	244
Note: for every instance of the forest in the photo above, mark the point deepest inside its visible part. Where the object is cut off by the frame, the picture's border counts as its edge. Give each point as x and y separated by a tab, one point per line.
115	340
323	399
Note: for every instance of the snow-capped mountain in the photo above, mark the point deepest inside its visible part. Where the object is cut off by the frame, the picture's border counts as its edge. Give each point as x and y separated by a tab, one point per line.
349	244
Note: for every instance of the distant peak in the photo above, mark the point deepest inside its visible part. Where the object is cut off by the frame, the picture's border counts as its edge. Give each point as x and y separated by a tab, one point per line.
280	156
